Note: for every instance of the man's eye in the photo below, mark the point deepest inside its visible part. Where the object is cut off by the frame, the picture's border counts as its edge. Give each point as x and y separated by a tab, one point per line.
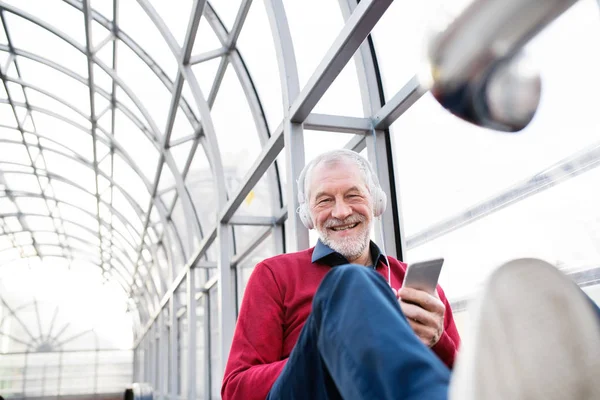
323	201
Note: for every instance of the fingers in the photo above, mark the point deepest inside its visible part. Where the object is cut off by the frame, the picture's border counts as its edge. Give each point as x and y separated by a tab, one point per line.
423	299
417	314
426	334
427	325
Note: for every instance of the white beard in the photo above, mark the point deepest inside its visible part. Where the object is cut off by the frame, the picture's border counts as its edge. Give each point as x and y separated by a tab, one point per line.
350	247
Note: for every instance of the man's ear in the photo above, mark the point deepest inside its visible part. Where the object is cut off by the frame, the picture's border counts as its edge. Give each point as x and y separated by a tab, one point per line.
305	216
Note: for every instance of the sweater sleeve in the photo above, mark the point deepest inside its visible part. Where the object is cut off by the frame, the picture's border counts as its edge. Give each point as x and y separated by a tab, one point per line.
447	347
255	359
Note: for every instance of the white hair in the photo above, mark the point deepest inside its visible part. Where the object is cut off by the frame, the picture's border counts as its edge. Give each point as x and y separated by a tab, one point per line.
332	157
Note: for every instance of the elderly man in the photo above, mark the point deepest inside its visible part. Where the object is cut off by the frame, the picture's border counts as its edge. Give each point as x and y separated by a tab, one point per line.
333	321
278	338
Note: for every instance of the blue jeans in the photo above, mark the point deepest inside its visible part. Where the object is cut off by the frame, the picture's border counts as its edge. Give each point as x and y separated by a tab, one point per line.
357	344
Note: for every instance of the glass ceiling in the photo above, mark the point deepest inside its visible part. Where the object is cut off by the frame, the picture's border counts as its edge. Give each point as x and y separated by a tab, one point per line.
131	133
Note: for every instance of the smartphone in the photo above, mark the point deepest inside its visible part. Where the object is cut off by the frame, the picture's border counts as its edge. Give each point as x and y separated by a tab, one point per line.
423	275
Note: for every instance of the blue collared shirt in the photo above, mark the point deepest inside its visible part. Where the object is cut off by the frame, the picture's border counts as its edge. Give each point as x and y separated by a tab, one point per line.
326	255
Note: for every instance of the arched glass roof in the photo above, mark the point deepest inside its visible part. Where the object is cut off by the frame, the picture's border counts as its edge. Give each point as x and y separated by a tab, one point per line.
151	148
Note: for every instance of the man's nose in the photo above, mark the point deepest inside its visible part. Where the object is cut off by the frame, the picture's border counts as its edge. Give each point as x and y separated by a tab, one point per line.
341	210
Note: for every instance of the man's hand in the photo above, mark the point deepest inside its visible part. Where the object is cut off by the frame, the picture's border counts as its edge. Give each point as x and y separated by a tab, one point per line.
425	313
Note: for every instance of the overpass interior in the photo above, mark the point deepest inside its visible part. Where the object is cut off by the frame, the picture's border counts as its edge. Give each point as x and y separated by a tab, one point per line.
149	149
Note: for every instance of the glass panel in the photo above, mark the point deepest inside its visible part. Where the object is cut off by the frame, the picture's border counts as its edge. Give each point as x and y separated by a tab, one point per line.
181	154
103	7
189	99
9	255
141	150
23	182
205	73
77	172
135	22
145	85
103	81
184	225
200	184
104	55
3	94
183	353
473	251
13	224
9	134
319	142
99	33
492	183
56	13
47	250
70	194
399	39
32	205
16	153
16	92
123	233
46	238
400	35
245	267
50	316
39	223
312	36
206	39
75	139
74	214
3	38
343	97
177	258
175	18
227	11
501	160
238	155
200	349
7	116
132	217
72	91
127	179
166	184
182	127
127	105
6	242
263	199
33	38
257	49
76	231
114	371
216	373
23	238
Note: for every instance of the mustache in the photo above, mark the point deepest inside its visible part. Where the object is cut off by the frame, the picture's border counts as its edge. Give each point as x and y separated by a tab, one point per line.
352	219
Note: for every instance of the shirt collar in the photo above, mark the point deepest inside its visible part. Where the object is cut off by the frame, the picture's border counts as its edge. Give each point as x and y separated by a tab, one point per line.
326	255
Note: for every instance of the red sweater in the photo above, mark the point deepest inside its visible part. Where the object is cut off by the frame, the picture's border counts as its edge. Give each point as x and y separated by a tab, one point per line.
276	304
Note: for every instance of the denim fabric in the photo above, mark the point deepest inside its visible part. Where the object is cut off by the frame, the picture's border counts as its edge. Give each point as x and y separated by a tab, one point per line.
357	344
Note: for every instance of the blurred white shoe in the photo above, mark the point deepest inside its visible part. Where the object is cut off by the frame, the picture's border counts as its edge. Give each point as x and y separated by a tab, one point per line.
534	336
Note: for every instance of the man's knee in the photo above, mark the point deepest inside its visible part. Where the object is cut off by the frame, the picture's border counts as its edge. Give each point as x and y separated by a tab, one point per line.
340	277
346	273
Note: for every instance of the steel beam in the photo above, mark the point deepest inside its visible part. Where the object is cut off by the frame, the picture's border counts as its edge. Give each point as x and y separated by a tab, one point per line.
355	31
399	104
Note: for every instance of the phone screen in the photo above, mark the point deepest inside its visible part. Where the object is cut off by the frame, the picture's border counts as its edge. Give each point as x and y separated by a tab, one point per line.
423	275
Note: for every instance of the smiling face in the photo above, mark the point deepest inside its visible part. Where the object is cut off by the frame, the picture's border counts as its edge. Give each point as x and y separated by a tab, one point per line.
341	208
